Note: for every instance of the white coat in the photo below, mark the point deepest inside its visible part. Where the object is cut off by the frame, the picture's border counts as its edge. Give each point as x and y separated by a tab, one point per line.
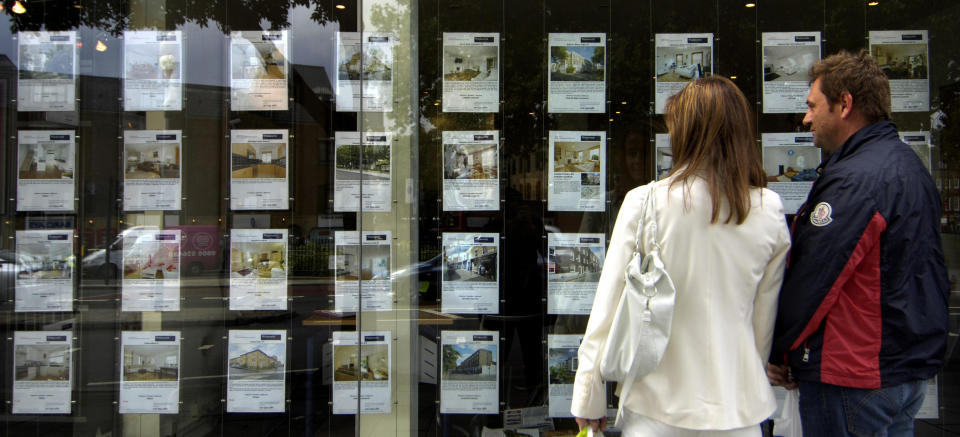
727	276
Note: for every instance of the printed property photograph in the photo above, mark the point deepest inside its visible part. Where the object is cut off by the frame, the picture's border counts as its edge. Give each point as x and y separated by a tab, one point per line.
355	162
375	64
144	258
471	63
152	61
258	260
42	362
469	263
257	362
574	264
46	61
46	160
257	59
258	160
563	365
45	261
664	162
151	363
468	362
470	161
576	156
789	63
683	64
901	61
361	363
151	161
791	163
369	263
577	63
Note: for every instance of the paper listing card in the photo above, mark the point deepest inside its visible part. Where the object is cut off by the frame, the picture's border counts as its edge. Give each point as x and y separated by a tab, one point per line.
470	276
471	72
574	262
471	170
45	170
43	372
152	70
151	270
790	161
47	71
469	372
150	377
362	372
152	176
45	271
787	58
577	173
577	79
258	269
365	71
256	371
363	266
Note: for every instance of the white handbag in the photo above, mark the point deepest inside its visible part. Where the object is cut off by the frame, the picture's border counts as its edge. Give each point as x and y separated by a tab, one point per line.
641	325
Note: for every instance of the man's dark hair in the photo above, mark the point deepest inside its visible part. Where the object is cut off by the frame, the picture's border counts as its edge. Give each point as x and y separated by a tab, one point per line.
859	75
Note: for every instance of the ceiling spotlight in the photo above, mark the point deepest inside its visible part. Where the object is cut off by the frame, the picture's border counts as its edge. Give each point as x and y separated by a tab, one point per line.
341	7
872	3
750	5
733	77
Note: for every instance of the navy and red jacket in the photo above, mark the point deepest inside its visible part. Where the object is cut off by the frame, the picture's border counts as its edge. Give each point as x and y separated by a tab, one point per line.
864	297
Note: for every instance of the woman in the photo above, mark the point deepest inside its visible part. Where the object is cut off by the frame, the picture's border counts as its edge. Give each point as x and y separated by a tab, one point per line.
724	242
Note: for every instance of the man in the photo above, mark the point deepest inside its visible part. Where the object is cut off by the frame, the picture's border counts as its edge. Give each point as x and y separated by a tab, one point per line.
862	320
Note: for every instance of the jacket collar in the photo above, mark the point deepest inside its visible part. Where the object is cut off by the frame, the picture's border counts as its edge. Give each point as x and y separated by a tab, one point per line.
867	134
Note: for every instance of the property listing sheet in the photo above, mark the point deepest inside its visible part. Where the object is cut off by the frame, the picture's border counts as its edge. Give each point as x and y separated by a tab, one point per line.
258	177
471	170
151	270
361	180
920	142
152	175
150	377
46	161
43	372
787	57
45	269
258	269
680	58
577	73
562	363
259	70
470	277
471	72
577	172
664	155
256	371
905	57
363	271
362	371
469	372
574	262
790	161
47	71
152	70
930	408
365	71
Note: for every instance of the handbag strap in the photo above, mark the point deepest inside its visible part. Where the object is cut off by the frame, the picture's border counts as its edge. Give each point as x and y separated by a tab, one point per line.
647	201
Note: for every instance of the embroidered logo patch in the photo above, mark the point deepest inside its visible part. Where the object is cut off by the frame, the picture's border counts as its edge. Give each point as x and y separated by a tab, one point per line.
821	214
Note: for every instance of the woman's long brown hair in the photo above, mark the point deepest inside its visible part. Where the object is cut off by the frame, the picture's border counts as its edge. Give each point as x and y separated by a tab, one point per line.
712	136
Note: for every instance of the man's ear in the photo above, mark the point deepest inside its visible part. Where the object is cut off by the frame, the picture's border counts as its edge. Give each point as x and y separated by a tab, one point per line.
846	105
